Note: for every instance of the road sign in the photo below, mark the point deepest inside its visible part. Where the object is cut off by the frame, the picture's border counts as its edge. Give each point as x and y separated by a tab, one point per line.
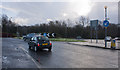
53	35
94	23
45	34
48	35
106	23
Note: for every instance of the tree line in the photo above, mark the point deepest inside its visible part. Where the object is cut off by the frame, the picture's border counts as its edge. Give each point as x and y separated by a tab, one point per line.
62	29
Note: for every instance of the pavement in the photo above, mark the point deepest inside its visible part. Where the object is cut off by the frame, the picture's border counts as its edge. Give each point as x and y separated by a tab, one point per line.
99	44
15	54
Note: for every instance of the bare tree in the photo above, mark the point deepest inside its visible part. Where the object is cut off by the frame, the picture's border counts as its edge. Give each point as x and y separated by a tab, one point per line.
84	21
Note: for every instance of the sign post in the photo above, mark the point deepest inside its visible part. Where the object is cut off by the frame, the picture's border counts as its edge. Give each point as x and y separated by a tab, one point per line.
106	24
94	26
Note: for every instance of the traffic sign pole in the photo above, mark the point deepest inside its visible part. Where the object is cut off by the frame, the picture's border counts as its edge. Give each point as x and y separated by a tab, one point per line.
105	27
105	36
106	24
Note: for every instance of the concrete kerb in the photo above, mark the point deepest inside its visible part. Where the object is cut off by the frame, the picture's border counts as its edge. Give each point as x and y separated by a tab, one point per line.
93	46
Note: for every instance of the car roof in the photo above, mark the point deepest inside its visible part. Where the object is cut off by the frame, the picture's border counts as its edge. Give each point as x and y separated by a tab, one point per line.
39	36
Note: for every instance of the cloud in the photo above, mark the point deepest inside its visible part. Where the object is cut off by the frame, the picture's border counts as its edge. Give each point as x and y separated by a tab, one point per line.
21	21
97	12
7	8
82	8
58	0
30	13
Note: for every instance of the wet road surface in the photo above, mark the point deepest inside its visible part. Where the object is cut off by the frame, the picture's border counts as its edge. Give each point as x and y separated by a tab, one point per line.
16	54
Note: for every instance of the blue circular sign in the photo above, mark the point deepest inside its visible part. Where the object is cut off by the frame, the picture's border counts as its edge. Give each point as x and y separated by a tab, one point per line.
45	34
106	23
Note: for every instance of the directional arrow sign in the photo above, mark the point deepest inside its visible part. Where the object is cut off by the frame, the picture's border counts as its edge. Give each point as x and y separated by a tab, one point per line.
48	35
53	35
106	23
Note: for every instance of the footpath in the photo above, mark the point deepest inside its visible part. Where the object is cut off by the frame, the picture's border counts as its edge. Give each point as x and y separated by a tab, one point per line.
100	44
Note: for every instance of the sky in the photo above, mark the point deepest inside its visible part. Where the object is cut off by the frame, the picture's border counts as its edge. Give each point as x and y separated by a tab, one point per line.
28	12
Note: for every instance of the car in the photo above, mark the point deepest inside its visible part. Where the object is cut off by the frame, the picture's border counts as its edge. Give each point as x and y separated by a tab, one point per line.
40	42
24	37
117	38
28	37
108	38
78	37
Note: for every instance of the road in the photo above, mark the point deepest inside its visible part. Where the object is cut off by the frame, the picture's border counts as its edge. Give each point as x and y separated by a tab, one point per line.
16	54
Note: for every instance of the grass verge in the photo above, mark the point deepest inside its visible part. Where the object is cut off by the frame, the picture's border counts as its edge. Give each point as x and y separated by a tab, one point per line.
66	40
60	39
18	37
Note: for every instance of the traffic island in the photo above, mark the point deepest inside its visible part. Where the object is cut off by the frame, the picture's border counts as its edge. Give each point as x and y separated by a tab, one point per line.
97	45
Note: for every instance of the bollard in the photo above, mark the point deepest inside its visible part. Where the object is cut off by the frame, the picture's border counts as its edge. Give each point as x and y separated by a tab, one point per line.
113	45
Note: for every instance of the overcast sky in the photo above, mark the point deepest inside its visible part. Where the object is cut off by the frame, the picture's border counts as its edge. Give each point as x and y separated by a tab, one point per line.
30	13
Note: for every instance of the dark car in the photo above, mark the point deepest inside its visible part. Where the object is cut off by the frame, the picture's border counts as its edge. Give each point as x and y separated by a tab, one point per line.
39	42
28	37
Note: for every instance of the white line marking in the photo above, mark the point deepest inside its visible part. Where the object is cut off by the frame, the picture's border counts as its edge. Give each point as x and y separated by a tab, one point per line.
36	63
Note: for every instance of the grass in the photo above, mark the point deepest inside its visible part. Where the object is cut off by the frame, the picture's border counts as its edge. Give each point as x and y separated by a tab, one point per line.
60	39
66	40
18	37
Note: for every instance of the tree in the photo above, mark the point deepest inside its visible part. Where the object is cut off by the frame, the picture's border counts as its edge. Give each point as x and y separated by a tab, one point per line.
8	26
84	21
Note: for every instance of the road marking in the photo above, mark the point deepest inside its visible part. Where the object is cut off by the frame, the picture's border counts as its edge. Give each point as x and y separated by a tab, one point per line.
36	63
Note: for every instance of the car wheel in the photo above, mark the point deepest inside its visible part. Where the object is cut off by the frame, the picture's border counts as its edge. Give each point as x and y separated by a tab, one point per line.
50	48
24	39
29	47
35	48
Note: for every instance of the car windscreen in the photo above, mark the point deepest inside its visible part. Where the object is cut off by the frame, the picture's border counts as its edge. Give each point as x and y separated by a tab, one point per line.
30	35
42	38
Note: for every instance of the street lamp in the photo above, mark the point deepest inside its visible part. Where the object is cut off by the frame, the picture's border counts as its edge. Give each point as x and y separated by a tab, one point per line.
105	27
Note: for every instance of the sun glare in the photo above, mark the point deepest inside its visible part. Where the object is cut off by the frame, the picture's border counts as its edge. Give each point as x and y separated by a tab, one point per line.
82	7
64	14
49	20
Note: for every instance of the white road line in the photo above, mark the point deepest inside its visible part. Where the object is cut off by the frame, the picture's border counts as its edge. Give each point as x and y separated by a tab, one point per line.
36	63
